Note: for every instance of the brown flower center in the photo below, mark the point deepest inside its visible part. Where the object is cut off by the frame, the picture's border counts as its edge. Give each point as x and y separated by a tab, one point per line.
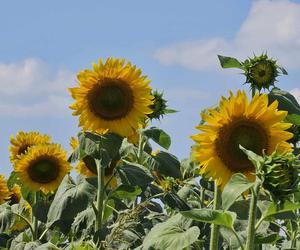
44	170
248	134
111	99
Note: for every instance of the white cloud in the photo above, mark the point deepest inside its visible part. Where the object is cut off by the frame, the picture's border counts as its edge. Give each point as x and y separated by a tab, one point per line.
272	26
32	88
296	93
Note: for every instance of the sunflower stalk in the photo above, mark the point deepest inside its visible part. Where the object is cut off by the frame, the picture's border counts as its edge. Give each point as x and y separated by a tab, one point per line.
141	148
214	234
35	220
252	217
100	196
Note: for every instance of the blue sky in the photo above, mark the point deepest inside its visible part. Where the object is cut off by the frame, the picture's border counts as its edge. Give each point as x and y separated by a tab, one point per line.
44	44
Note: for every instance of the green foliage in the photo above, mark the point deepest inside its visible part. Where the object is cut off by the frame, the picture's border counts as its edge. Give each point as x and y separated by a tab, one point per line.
159	136
237	185
229	62
174	234
286	101
218	217
70	199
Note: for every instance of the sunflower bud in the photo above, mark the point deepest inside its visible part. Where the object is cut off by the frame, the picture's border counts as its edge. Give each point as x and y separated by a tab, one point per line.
159	106
280	174
261	72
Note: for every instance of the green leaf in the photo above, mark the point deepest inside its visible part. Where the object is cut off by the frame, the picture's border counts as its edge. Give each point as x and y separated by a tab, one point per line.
229	62
237	185
134	175
267	239
83	222
218	217
6	217
175	202
275	209
286	101
173	234
70	199
167	164
159	136
126	192
40	210
102	147
257	160
294	119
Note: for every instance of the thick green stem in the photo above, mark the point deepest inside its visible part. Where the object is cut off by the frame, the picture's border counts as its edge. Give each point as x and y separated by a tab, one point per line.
140	148
100	196
214	234
35	220
252	218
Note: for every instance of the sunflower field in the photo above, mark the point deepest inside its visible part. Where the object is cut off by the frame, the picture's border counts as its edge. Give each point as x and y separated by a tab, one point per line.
239	188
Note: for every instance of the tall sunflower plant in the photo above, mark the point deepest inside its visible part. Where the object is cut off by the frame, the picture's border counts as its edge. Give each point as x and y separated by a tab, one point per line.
250	148
238	190
117	170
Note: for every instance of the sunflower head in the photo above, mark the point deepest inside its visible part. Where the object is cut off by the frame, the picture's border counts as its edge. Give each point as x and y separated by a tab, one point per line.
4	191
113	96
43	167
261	72
24	140
255	125
280	174
16	194
159	106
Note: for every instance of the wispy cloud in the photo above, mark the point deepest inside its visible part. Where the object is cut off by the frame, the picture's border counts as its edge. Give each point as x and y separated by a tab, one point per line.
272	26
33	88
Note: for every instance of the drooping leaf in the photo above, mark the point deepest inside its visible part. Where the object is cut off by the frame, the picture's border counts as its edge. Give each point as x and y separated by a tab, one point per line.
102	147
175	202
237	185
134	175
6	217
229	62
69	200
83	222
159	136
167	164
40	210
173	234
218	217
286	101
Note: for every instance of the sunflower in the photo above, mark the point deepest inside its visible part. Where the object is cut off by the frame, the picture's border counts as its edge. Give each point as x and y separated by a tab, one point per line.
4	191
23	141
16	194
87	166
43	167
114	97
253	125
261	72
